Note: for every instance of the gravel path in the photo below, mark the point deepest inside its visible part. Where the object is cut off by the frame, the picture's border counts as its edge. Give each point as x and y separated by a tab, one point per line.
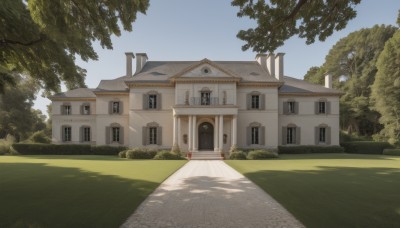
210	194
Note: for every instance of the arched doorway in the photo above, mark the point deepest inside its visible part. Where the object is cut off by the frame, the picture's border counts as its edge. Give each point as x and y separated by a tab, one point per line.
206	136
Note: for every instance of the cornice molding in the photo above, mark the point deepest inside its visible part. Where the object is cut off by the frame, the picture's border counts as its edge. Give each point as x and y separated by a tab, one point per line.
260	84
309	94
72	98
149	84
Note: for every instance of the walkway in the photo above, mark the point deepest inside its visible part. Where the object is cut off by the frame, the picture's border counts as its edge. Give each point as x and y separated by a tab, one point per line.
210	194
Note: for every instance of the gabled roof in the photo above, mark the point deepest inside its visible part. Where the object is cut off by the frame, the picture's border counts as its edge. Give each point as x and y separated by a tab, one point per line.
75	93
298	86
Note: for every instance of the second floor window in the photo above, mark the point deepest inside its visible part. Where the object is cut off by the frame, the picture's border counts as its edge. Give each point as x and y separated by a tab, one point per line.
291	107
115	107
86	110
255	101
67	109
152	101
322	107
205	98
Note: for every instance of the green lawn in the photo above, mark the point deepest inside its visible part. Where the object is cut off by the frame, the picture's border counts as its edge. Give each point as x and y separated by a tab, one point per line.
75	191
337	190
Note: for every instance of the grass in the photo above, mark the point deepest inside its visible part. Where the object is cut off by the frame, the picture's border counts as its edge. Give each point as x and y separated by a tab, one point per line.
332	190
75	191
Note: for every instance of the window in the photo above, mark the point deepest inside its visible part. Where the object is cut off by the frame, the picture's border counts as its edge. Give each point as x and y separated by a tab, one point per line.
291	107
152	101
67	109
291	135
254	135
205	98
322	135
67	134
225	139
115	134
115	107
86	110
255	101
322	107
185	138
86	134
153	135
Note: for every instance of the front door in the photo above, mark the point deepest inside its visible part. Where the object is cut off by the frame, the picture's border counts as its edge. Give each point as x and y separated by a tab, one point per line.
206	136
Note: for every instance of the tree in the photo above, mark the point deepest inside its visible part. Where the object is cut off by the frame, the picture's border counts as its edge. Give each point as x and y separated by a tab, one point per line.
42	38
17	117
354	58
386	89
278	20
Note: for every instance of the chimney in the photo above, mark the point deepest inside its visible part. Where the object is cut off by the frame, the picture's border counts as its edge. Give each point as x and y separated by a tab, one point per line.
129	58
271	64
279	66
262	60
328	81
141	59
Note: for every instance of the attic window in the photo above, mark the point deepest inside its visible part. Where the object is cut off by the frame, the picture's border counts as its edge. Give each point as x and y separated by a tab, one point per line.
206	70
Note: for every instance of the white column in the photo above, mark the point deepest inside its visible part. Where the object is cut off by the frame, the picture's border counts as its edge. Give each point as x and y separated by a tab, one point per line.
234	130
221	133
179	132
216	132
190	134
175	131
194	135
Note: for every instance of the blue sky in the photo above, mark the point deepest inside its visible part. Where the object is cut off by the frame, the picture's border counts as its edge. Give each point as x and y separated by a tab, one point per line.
193	30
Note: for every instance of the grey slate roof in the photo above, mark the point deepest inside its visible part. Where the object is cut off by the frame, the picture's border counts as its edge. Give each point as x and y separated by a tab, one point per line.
163	70
116	85
294	85
76	93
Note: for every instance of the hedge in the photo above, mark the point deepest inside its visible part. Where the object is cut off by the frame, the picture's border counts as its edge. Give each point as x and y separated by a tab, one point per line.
168	155
392	152
237	155
140	153
365	147
64	149
309	149
261	154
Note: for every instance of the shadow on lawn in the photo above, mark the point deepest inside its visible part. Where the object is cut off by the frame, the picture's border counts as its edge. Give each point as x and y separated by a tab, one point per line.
336	196
76	157
37	195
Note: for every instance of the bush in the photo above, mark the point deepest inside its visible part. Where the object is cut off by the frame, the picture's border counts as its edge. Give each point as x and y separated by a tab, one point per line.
107	150
261	154
122	154
5	144
237	155
167	155
51	149
392	152
365	147
140	153
39	137
309	149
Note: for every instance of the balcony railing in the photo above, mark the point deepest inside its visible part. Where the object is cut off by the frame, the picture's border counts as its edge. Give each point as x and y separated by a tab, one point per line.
206	101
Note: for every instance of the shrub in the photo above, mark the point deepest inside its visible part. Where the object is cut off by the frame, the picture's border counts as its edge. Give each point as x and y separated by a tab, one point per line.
51	149
107	150
140	153
122	154
365	147
261	154
39	137
5	144
392	152
309	149
167	155
237	155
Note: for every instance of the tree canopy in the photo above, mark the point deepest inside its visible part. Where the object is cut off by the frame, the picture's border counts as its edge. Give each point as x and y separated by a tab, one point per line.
354	58
386	89
42	38
279	20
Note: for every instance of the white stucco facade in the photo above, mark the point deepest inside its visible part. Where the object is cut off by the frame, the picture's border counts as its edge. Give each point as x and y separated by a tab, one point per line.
199	106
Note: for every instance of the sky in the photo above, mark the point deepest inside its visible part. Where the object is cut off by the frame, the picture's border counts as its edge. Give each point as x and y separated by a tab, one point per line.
194	30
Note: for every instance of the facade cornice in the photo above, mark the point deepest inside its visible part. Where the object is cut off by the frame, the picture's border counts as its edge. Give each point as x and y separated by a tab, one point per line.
205	79
99	93
260	84
149	84
72	98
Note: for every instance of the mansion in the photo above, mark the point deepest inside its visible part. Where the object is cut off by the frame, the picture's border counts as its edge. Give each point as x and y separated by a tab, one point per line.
199	106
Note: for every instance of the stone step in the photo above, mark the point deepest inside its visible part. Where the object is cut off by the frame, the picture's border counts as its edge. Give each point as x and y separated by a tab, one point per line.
206	155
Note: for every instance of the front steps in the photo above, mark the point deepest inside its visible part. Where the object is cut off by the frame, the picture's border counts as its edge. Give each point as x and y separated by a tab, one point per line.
206	155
